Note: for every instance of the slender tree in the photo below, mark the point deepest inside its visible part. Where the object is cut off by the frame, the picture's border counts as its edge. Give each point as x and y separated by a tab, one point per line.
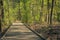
48	6
51	14
19	11
1	14
8	11
26	15
41	12
19	14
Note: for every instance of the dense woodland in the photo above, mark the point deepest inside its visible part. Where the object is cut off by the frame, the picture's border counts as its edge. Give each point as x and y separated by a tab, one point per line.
39	14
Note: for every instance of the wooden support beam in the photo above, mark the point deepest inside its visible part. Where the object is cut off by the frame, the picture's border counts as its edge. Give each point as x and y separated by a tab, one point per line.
28	26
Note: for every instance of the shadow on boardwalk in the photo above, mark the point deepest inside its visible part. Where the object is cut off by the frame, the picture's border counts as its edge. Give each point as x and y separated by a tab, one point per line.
19	32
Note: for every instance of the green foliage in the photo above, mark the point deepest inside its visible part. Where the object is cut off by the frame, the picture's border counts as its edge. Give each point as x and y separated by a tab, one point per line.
30	11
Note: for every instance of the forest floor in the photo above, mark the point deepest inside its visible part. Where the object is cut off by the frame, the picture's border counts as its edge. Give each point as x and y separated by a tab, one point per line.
18	31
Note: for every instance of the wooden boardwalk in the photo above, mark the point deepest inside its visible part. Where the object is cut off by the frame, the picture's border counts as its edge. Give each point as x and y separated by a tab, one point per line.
19	32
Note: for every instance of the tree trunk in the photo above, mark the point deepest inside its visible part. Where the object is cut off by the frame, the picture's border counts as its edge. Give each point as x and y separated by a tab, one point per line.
48	11
26	14
51	12
41	12
19	12
1	14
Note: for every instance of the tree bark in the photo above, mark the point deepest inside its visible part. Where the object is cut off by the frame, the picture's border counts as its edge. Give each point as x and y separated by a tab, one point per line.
1	14
48	11
41	12
51	12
